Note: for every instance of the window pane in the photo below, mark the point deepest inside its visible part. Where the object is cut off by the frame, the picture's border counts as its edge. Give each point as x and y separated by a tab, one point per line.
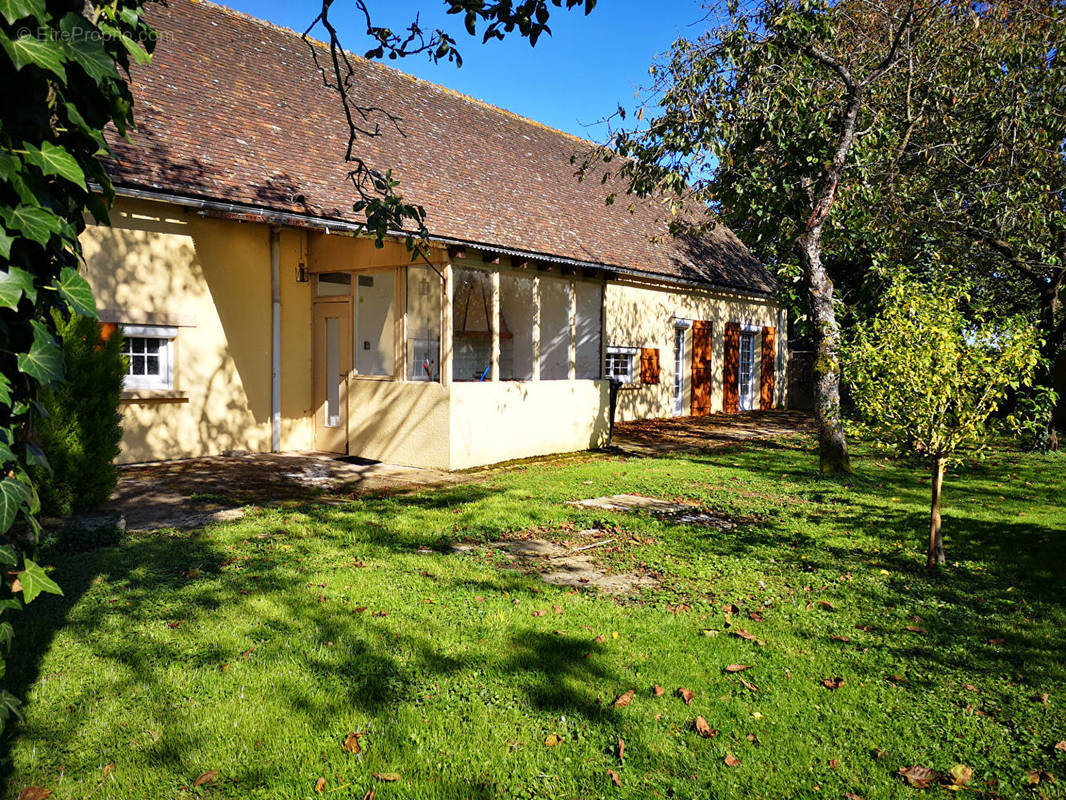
589	302
374	334
516	327
137	365
151	365
554	329
471	325
333	371
151	345
331	284
423	324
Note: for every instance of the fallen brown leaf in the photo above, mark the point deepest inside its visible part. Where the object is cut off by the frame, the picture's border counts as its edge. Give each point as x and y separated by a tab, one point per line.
751	687
997	641
540	612
833	683
320	785
205	777
175	624
750	737
1038	775
617	781
961	775
351	743
557	609
621	750
686	695
478	598
108	769
731	760
844	639
729	608
743	634
1061	746
969	687
834	763
918	777
624	699
388	777
552	740
601	639
705	730
851	796
34	793
359	610
913	629
738	667
827	605
657	690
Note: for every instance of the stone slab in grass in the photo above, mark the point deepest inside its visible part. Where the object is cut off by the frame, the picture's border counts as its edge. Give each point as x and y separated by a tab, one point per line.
631	503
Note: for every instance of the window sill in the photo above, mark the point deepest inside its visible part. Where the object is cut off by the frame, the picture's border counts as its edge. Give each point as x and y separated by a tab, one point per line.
138	396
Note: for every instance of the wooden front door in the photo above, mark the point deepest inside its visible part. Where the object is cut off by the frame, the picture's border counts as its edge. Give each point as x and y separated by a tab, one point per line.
769	358
332	361
701	368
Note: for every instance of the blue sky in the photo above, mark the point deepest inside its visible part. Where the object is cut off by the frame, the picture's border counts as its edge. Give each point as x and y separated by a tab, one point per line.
570	80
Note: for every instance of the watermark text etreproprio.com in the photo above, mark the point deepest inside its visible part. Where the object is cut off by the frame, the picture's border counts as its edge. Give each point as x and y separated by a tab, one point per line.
45	33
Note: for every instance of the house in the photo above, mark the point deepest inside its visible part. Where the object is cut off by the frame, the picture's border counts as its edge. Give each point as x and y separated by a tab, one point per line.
256	317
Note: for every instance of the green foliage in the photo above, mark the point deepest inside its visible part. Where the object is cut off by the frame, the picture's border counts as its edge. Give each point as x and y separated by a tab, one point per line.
79	432
62	68
926	380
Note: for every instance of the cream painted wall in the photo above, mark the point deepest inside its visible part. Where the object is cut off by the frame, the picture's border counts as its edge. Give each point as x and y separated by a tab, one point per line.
493	422
214	275
399	422
642	315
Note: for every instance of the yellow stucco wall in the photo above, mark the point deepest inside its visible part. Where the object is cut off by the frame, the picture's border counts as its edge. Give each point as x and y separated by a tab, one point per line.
493	422
213	276
399	422
642	315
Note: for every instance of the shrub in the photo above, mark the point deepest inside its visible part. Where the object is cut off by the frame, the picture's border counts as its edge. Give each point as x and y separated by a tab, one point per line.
81	431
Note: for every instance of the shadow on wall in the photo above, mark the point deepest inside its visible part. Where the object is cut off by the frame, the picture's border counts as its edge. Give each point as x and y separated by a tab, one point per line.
213	278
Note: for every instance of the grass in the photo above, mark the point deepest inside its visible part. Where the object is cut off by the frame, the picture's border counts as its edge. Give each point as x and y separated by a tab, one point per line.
242	648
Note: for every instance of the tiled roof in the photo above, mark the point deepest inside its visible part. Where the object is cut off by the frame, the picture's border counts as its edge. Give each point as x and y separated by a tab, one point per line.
232	108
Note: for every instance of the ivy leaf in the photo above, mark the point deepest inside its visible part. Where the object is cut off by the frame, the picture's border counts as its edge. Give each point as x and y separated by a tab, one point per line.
5	390
13	284
45	53
8	557
34	581
6	240
14	10
9	706
35	457
13	496
44	361
75	290
52	160
86	48
34	222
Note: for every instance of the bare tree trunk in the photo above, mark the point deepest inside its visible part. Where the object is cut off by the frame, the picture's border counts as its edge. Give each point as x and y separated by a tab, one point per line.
936	538
832	444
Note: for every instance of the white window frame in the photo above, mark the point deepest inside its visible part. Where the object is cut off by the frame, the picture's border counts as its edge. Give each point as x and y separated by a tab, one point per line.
629	377
165	379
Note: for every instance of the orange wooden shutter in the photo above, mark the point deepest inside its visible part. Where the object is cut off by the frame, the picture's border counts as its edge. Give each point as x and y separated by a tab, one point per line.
649	365
766	386
731	369
107	330
701	368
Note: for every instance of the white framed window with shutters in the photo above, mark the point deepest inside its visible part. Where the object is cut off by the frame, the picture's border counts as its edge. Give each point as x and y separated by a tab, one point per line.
620	363
149	351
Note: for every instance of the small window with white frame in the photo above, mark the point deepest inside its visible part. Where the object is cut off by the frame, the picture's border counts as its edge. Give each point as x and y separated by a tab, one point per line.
149	351
621	363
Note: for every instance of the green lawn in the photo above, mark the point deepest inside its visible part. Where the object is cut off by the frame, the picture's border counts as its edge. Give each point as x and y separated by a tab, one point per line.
456	684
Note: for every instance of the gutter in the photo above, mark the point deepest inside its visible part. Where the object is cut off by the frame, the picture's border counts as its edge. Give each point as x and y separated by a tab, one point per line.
248	213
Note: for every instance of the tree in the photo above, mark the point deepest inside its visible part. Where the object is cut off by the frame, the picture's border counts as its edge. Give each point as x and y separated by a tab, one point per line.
926	379
62	80
768	119
983	171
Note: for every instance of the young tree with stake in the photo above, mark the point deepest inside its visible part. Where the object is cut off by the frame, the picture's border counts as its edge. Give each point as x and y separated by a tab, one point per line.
926	380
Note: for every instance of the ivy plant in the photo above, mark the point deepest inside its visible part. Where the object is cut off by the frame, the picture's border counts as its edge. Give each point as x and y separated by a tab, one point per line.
63	79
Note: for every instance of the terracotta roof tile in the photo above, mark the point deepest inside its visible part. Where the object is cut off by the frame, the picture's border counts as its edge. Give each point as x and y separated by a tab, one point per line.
232	108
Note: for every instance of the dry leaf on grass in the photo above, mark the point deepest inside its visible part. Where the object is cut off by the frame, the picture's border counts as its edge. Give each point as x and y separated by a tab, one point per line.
552	740
34	793
913	629
844	639
617	781
729	608
320	786
731	760
657	690
918	777
1040	775
751	687
351	743
827	605
705	730
686	695
833	683
205	777
851	796
601	639
738	667
834	763
388	777
743	634
621	750
557	609
969	687
1061	746
624	700
540	612
960	775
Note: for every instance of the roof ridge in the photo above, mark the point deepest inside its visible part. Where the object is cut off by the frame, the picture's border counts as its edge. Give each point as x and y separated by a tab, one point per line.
399	72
